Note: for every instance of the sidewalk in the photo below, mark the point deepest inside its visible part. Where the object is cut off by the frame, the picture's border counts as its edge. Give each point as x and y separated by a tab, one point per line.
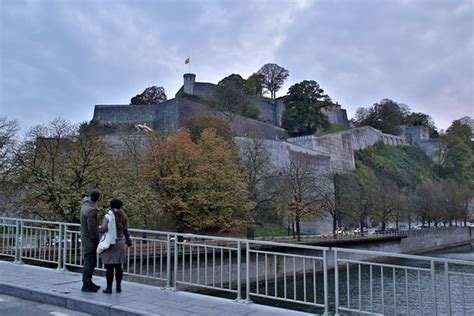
62	288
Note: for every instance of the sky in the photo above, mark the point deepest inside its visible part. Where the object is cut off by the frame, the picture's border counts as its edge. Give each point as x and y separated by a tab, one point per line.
60	58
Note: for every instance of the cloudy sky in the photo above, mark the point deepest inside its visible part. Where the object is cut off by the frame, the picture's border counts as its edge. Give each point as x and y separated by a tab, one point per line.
60	58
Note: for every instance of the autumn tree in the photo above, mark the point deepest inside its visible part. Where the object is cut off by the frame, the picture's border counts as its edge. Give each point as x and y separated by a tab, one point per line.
151	95
199	185
196	125
273	77
57	165
303	108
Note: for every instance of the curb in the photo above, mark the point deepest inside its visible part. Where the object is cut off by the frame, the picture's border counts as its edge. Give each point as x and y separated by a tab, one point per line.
73	303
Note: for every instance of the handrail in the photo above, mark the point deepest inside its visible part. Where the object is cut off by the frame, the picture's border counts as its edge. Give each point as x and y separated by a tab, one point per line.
218	263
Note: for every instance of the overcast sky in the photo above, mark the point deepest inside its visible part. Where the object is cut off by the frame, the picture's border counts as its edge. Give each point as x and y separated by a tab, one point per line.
60	58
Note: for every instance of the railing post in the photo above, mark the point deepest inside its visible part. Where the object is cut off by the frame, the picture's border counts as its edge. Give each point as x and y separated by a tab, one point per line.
60	246
336	284
20	240
247	272
17	242
448	288
433	287
168	261
176	256
325	267
239	285
63	264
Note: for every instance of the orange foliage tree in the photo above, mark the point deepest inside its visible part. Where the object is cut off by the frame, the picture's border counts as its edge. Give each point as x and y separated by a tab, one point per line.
199	184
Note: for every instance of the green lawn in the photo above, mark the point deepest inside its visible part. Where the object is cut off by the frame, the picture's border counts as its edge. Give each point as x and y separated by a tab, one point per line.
333	128
264	230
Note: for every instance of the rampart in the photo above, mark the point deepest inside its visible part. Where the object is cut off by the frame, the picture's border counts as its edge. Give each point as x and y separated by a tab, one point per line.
340	146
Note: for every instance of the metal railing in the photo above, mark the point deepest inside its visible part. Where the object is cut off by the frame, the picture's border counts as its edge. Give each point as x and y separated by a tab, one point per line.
409	285
364	282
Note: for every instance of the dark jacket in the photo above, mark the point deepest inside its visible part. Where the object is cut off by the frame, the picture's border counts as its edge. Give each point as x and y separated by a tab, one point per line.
89	227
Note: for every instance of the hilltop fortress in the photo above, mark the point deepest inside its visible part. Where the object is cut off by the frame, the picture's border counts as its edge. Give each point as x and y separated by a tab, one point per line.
331	153
334	151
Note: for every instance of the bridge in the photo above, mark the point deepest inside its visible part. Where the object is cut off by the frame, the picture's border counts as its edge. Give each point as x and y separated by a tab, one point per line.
180	268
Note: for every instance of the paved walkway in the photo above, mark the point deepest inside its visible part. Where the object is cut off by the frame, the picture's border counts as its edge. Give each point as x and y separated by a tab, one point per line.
62	288
14	306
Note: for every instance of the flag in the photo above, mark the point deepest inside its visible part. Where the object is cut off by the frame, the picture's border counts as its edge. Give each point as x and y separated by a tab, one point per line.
187	61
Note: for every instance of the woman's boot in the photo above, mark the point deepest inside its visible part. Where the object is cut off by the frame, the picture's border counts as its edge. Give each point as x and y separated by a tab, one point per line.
109	275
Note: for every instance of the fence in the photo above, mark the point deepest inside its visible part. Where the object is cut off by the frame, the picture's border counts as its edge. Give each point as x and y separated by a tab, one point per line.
251	269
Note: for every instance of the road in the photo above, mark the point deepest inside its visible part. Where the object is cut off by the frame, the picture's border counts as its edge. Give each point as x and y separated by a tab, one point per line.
13	306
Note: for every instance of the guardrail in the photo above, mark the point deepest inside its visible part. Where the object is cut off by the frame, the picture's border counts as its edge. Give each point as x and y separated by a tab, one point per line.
253	269
408	285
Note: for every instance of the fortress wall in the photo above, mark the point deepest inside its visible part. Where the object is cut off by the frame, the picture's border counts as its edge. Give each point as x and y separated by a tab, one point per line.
340	146
240	125
267	110
160	117
204	90
124	114
280	152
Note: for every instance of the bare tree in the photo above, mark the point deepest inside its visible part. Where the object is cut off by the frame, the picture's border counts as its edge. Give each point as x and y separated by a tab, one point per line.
273	77
301	175
260	171
8	130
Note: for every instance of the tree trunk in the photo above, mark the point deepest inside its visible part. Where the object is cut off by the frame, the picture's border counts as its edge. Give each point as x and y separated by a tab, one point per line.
383	225
334	225
293	228
298	232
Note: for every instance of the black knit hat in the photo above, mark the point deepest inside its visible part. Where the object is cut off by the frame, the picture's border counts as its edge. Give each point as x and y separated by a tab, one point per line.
116	204
95	195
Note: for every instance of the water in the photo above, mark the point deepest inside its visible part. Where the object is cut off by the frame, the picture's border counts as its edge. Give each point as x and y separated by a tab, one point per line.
410	294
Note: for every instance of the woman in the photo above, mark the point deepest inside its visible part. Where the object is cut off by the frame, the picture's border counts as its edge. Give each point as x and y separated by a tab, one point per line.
114	256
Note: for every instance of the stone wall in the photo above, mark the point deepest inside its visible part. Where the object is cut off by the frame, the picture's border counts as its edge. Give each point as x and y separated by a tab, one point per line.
121	117
340	146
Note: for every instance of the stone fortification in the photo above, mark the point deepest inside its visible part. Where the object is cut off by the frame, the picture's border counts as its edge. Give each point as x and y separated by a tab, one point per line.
170	115
340	146
281	151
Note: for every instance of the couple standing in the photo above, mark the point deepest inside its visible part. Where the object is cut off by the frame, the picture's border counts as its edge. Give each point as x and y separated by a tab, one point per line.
114	256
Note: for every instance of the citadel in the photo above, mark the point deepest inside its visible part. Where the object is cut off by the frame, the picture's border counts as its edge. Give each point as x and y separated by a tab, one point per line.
333	152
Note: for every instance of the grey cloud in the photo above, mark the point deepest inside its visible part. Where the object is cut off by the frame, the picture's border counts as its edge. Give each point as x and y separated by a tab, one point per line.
64	57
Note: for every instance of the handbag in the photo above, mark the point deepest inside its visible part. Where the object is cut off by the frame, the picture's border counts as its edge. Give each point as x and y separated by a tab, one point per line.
104	244
109	237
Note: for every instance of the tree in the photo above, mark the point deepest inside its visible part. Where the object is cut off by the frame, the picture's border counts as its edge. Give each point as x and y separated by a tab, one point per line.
303	108
231	100
273	77
458	133
57	165
421	119
151	95
234	81
301	176
254	85
199	185
264	187
358	195
386	116
8	130
196	125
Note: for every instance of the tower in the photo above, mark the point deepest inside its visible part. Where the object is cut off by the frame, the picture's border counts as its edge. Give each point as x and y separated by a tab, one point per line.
189	80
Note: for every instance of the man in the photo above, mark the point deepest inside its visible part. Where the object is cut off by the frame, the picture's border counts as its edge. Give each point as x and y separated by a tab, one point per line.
89	240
